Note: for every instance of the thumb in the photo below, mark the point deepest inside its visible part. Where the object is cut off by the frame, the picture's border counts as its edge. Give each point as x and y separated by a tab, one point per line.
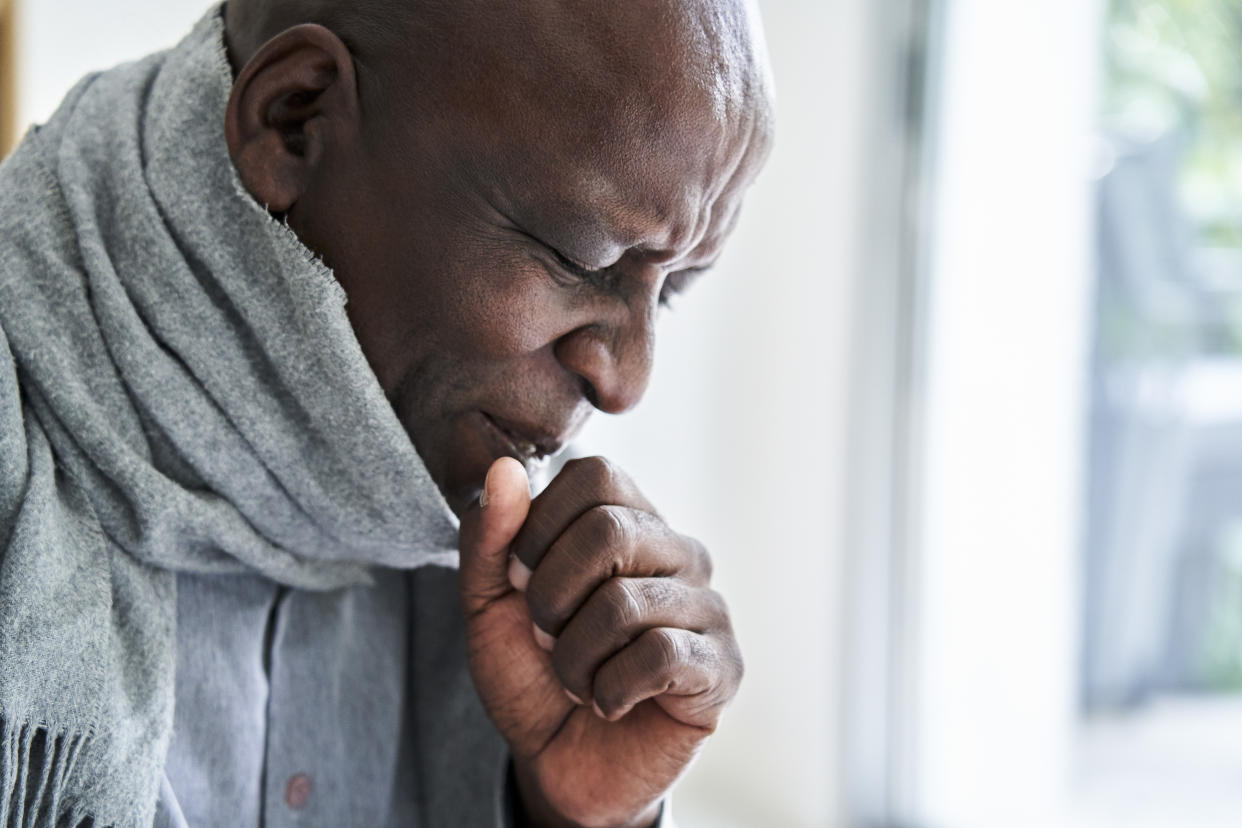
486	531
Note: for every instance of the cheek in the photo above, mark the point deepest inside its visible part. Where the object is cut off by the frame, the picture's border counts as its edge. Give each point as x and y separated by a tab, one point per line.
505	308
458	289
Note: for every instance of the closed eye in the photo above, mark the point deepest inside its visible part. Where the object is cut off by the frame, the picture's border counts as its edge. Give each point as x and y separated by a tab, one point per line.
677	282
576	269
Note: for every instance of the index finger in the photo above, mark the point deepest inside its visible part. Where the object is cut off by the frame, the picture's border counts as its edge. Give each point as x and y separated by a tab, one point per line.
581	486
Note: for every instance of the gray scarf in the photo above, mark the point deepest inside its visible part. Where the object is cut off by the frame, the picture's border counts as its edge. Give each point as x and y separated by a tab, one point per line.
180	391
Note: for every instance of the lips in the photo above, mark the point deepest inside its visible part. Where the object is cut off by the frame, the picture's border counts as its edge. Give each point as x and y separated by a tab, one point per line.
527	442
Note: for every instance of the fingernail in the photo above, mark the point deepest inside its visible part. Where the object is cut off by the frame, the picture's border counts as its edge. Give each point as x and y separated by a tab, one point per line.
545	641
519	574
599	712
574	698
483	496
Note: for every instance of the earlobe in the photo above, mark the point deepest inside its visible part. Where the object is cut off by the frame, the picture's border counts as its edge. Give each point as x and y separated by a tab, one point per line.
290	103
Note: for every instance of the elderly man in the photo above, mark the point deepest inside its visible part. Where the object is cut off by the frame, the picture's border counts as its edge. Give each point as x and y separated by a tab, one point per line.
291	309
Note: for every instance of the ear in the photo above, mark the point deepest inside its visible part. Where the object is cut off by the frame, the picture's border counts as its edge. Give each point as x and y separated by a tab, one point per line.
292	103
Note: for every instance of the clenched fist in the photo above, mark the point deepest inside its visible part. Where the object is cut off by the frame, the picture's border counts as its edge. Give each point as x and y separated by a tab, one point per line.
596	645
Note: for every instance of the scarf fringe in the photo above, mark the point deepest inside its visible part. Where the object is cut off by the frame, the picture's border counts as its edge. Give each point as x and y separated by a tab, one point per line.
35	764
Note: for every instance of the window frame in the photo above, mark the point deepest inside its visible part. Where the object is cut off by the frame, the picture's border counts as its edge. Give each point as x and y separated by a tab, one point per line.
8	75
911	628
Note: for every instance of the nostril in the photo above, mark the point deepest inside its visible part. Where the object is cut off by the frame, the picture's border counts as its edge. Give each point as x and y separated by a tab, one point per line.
590	393
612	369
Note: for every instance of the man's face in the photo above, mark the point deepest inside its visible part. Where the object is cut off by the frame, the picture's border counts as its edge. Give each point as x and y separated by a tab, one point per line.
463	230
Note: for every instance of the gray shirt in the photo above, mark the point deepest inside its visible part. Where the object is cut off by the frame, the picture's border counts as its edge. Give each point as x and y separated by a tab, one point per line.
331	719
322	726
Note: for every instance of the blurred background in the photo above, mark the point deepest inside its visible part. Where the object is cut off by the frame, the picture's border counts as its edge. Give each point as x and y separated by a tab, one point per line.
960	415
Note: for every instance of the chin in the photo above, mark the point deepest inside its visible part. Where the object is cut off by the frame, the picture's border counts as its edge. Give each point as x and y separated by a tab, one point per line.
457	458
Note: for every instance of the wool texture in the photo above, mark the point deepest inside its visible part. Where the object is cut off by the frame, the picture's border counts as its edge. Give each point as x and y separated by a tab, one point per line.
180	391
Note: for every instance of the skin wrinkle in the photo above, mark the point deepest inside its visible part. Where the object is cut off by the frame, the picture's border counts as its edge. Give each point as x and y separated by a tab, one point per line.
665	110
620	137
507	193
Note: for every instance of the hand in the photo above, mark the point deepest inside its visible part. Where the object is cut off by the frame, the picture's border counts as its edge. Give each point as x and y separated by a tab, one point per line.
595	644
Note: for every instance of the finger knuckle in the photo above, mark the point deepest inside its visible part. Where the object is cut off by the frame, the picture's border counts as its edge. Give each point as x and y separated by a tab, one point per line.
705	560
598	473
702	558
700	651
666	592
608	529
727	664
719	608
625	601
548	605
663	651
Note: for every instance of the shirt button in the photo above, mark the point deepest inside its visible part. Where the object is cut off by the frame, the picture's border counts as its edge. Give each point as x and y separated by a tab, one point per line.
298	791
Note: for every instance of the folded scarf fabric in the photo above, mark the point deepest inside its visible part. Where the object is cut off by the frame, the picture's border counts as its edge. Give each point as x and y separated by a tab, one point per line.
180	391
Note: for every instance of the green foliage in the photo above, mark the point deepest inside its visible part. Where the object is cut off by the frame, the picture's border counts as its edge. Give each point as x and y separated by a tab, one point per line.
1220	660
1177	65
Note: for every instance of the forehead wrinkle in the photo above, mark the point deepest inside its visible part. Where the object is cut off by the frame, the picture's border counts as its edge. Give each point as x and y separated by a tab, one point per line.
717	224
742	157
667	193
673	221
644	139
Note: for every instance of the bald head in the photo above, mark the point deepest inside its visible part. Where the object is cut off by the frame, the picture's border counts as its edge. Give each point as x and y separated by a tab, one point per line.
649	59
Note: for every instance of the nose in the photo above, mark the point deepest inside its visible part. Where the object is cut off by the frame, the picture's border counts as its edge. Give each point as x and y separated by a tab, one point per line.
614	361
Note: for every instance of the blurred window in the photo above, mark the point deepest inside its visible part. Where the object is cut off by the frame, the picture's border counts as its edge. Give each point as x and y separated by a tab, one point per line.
1067	589
1161	679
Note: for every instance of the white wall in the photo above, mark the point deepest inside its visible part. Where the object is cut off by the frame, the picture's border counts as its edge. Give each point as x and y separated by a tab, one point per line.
61	40
1009	301
740	441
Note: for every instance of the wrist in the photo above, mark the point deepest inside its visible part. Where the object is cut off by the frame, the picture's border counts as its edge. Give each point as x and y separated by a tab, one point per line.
538	812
